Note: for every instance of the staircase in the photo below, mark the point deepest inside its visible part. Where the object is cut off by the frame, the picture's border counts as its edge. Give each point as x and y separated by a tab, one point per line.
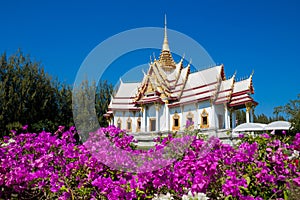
145	139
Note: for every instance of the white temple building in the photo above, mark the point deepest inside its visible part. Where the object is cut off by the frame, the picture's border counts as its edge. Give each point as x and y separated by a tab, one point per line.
169	95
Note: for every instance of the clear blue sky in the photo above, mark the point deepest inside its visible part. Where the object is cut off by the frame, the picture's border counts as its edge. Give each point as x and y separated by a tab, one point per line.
247	35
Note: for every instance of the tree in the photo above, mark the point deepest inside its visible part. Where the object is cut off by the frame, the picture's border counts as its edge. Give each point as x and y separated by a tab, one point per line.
277	110
240	117
103	97
29	96
89	105
262	118
292	111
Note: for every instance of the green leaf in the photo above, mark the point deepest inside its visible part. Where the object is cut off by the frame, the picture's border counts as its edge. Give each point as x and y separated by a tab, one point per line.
245	190
228	197
247	179
285	194
64	189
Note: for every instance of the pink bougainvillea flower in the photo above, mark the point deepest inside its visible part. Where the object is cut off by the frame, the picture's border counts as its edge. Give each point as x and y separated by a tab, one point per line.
13	132
297	181
25	127
58	166
61	128
266	135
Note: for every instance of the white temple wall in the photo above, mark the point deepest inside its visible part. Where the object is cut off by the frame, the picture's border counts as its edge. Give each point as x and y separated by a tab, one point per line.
134	118
150	111
173	110
120	116
150	114
117	114
123	116
213	117
216	116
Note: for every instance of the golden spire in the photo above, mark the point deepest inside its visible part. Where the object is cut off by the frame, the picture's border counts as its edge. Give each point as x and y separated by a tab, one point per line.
166	43
165	57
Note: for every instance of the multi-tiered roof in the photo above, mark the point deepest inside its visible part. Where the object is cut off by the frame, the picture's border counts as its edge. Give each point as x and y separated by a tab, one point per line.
168	82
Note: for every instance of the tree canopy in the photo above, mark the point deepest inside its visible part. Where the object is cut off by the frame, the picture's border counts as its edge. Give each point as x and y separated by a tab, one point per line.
292	111
29	96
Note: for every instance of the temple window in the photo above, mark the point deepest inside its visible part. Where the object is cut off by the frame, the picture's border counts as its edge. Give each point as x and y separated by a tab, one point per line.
204	119
138	127
152	124
129	124
190	120
176	124
119	123
190	116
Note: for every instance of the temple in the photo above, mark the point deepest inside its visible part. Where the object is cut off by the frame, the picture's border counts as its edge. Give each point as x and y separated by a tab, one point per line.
170	95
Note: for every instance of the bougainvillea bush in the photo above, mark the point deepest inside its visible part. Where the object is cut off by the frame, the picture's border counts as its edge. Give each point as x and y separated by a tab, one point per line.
52	166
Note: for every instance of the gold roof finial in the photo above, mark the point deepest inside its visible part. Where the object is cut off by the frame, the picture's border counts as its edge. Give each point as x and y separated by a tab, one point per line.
166	43
165	57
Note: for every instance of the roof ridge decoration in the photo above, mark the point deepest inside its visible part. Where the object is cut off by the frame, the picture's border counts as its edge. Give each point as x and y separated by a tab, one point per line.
161	74
223	76
178	70
185	80
251	88
220	78
232	86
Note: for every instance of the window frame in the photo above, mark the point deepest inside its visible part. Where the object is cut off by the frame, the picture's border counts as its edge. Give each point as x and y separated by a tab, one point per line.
203	115
176	117
129	120
138	124
119	121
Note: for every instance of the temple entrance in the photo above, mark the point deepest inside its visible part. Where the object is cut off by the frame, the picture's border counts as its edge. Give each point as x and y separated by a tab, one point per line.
153	124
221	121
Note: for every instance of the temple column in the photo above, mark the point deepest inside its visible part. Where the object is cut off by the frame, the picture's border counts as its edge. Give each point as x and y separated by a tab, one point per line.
157	107
196	118
226	117
144	127
248	109
182	123
167	116
247	115
214	117
233	119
